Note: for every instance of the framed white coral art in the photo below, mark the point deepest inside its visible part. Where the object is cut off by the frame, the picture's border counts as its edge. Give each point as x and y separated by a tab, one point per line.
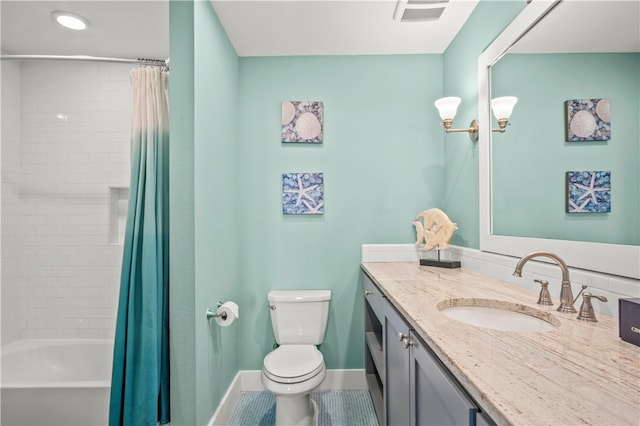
588	120
302	121
302	193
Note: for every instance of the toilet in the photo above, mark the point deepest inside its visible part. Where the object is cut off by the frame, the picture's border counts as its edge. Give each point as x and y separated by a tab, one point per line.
293	370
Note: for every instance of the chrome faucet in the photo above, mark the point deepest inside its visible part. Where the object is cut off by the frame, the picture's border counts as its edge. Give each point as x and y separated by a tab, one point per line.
566	295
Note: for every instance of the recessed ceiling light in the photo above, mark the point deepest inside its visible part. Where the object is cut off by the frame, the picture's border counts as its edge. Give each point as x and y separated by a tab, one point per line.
70	20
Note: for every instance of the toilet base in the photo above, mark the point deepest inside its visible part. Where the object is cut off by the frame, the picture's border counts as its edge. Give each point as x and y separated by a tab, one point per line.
296	410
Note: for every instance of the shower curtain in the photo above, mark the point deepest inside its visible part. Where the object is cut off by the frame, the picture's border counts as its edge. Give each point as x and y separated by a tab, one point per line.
140	375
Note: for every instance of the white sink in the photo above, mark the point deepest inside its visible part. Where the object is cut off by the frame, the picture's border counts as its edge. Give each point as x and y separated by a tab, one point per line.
498	315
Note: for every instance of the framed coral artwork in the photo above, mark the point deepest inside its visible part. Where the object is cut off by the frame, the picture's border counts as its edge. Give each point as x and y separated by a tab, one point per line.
588	120
302	193
302	122
588	191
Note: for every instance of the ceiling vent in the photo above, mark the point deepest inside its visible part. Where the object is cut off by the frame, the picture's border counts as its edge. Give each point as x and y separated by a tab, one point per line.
419	10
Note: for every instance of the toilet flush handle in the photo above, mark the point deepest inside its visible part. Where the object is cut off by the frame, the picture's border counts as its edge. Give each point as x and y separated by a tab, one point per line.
272	307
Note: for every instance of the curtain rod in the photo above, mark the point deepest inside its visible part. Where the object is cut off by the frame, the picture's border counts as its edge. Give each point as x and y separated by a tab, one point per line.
139	61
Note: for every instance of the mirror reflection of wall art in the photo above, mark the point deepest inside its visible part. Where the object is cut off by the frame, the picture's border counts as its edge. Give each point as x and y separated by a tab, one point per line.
589	192
302	121
588	120
303	193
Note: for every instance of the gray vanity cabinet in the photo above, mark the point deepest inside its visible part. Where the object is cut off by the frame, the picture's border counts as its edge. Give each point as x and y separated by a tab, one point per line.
408	384
436	399
373	349
396	354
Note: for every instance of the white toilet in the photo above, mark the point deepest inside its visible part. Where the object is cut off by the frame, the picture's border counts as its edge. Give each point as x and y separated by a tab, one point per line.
293	370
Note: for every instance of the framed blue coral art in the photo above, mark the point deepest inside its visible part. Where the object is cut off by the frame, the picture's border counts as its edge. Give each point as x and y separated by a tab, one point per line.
302	193
588	120
588	191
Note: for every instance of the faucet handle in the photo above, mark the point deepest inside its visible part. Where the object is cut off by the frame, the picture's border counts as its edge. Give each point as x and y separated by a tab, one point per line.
584	287
586	310
544	298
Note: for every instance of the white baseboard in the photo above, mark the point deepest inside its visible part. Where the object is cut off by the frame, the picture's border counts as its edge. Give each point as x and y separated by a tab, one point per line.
229	400
344	380
249	381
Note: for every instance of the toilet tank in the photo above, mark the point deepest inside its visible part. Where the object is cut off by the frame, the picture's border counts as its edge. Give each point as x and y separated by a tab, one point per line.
299	317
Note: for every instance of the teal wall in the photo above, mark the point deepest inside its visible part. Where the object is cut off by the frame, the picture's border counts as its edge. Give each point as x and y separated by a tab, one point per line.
205	251
383	156
182	266
530	160
383	163
460	69
217	257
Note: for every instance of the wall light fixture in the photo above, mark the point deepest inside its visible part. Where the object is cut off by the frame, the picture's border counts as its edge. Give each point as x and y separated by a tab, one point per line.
502	108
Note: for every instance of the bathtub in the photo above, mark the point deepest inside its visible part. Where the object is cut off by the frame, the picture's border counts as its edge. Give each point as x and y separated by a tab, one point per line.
55	382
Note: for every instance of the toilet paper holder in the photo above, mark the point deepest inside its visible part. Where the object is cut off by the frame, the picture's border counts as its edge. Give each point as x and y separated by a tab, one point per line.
211	312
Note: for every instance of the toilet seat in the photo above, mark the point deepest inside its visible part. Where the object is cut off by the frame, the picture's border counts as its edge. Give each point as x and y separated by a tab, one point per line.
293	363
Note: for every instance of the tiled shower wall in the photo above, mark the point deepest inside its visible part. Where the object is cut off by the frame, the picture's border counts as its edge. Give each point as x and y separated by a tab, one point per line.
65	142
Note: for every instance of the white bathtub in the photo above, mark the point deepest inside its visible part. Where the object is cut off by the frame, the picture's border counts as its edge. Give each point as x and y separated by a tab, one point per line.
55	382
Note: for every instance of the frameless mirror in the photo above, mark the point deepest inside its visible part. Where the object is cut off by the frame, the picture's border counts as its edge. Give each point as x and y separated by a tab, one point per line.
554	52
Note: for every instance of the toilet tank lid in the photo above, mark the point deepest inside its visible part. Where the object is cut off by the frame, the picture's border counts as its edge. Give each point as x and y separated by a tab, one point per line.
299	295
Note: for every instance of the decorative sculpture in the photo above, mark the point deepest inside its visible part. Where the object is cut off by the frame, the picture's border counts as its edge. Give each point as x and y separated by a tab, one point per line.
435	230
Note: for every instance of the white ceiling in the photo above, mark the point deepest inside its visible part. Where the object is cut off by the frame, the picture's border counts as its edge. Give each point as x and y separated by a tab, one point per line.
255	27
586	26
128	29
335	27
132	29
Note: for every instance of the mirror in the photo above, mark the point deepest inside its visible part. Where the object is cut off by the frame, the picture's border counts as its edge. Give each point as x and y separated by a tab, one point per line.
549	54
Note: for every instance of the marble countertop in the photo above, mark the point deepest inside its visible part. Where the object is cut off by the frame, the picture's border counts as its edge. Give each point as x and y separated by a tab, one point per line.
579	374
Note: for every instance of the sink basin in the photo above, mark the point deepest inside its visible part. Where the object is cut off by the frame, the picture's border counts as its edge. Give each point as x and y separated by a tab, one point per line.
498	315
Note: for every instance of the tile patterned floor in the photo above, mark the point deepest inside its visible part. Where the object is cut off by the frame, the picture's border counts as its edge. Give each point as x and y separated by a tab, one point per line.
335	408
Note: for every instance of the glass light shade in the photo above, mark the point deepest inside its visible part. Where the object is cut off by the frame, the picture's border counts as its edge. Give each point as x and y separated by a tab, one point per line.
503	107
70	20
447	107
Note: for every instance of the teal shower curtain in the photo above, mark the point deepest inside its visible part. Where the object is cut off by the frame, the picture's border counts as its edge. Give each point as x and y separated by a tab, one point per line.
140	374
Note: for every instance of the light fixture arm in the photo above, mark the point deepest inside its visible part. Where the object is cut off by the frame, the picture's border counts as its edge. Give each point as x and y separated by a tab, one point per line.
472	129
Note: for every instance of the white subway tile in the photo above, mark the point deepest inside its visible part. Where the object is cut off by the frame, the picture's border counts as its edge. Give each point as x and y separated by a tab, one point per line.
65	172
625	286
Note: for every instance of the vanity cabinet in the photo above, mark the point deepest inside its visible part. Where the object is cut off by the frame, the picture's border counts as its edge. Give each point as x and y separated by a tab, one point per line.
408	383
436	398
374	354
396	354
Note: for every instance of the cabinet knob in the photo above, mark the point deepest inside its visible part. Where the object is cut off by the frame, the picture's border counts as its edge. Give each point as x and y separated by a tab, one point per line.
404	338
406	342
367	292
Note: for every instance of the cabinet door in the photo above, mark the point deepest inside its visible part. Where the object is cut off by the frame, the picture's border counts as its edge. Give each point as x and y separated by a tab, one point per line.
373	349
436	400
373	296
396	391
